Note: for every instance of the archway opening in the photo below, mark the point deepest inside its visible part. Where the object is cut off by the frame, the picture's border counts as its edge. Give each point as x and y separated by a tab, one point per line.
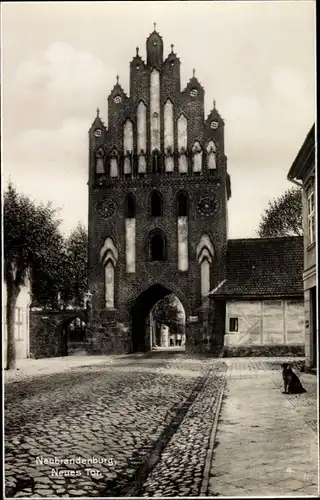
168	324
158	321
74	336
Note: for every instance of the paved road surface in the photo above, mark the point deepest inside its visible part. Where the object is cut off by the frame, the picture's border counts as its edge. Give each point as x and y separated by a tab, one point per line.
266	442
123	413
150	421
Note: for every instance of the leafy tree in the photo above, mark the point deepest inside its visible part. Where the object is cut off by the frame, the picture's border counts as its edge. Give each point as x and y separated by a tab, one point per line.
166	311
48	279
63	280
31	239
283	217
76	260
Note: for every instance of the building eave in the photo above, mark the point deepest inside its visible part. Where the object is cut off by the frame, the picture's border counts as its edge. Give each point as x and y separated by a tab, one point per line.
304	157
257	296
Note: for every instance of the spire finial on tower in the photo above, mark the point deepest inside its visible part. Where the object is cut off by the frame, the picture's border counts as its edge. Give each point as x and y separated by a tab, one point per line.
154	26
172	47
117	78
137	49
98	111
194	71
214	104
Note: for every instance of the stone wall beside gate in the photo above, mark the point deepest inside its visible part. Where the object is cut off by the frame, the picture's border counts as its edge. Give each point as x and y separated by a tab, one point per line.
48	332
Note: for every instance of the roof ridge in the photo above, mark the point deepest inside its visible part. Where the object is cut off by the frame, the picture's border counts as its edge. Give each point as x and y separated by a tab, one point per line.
277	238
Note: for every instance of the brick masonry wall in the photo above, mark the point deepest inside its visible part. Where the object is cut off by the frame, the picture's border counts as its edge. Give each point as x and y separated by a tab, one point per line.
263	350
45	335
186	285
47	339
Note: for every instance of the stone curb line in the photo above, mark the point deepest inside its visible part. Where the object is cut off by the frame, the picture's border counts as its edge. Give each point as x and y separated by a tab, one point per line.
206	472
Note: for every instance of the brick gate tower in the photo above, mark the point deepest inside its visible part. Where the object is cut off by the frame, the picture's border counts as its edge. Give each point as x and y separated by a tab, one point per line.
158	192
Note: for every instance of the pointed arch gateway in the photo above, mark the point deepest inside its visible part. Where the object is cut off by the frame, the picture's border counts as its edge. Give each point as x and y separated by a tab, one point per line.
141	307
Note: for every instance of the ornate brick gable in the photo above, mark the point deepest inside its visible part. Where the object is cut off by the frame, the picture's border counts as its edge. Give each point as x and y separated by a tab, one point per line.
156	138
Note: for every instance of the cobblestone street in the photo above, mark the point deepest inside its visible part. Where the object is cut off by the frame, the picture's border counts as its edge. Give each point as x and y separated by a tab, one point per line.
122	412
151	420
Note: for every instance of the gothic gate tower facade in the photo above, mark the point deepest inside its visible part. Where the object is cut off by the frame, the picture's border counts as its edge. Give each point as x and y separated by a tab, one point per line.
158	192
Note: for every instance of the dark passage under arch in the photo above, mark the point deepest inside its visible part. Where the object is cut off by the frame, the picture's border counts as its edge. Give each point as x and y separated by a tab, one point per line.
140	327
73	335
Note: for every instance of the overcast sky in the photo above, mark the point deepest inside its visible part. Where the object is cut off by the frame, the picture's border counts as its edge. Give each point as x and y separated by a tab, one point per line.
60	60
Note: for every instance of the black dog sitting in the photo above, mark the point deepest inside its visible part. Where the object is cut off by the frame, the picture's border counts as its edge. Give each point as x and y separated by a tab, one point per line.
292	384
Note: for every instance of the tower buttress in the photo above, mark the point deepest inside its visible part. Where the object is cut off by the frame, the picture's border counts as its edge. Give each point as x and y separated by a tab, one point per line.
139	78
154	49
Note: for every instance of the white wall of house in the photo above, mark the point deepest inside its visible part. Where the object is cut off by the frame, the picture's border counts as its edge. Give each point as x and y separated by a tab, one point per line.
22	328
264	322
309	274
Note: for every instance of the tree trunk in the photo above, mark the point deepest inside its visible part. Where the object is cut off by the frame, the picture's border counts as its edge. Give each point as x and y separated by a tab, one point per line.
12	296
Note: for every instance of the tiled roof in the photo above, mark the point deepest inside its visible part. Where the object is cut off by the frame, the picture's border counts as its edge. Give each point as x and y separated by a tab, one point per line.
263	267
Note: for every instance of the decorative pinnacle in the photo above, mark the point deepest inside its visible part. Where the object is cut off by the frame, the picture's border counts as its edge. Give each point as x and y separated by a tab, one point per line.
214	104
172	47
137	49
194	72
98	112
117	78
154	26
